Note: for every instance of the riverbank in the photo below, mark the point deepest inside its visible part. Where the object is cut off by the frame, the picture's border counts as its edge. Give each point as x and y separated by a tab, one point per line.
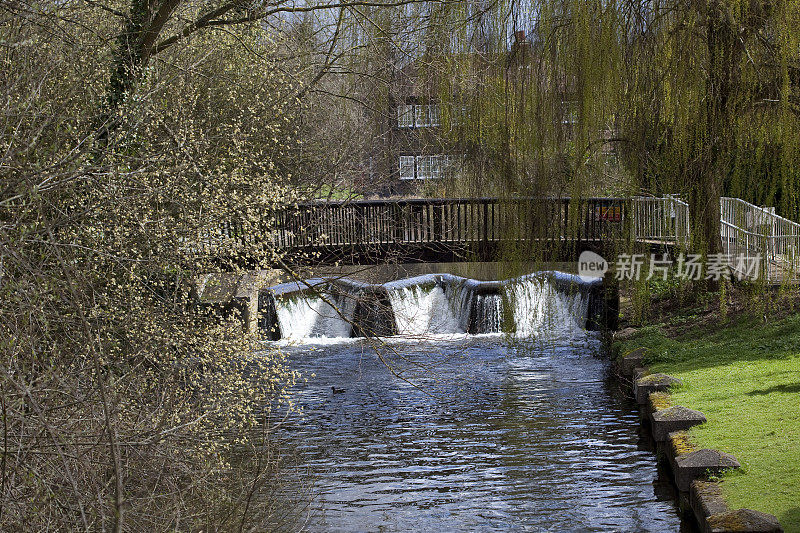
740	366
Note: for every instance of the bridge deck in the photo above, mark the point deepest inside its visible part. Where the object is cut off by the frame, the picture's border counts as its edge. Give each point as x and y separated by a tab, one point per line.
452	227
484	229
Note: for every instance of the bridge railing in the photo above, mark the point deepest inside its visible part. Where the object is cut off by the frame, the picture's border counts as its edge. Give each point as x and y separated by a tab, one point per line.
660	220
460	223
749	229
451	220
745	230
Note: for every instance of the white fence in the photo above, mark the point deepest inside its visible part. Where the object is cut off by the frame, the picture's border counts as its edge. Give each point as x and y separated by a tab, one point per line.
746	230
660	220
749	229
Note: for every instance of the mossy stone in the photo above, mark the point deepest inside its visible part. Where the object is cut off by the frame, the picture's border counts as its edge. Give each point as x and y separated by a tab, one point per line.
659	401
699	464
674	418
650	383
742	520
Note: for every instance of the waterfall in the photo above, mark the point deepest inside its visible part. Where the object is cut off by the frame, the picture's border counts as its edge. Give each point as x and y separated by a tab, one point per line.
421	310
539	308
460	296
488	314
544	303
304	316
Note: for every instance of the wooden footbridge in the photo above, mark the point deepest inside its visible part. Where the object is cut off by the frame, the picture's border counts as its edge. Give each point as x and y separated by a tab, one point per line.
446	230
482	229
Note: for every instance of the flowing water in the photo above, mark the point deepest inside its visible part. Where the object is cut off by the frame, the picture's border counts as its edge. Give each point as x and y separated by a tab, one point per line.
316	316
486	432
420	310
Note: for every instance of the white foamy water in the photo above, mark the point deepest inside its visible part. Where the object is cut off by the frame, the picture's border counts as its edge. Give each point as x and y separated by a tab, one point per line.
422	310
312	316
540	309
432	306
459	299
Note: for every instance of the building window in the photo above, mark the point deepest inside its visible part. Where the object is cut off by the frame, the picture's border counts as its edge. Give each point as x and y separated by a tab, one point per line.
424	167
433	115
406	167
418	116
421	116
437	163
405	116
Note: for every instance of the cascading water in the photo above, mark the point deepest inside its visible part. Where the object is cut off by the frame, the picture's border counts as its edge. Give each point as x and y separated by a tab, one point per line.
460	297
539	308
421	310
539	304
306	316
488	314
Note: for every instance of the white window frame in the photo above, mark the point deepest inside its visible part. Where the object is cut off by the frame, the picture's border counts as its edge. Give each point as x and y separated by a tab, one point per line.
428	167
434	115
437	166
418	116
421	119
406	163
431	167
405	116
423	167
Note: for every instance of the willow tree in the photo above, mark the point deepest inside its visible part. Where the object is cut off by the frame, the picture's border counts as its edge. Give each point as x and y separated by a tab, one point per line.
713	91
571	97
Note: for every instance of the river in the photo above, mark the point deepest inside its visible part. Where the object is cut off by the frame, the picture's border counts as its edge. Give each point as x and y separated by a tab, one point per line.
477	433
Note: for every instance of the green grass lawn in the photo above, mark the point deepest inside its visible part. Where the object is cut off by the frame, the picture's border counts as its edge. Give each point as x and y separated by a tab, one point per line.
745	377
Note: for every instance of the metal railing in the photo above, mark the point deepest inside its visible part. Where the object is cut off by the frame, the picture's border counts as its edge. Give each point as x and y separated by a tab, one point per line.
660	220
748	229
451	220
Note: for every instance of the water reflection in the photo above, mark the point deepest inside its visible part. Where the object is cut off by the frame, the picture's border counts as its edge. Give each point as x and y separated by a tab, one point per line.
483	437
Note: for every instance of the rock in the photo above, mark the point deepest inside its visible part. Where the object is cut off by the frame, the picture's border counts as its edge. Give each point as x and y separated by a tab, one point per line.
656	401
678	443
705	498
624	334
713	515
743	520
632	360
657	382
699	464
674	418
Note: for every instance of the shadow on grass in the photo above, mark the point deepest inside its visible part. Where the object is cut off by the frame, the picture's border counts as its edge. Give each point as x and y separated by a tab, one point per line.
794	388
790	520
746	339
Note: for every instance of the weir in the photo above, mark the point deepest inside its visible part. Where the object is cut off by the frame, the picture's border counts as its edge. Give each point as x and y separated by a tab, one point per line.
435	304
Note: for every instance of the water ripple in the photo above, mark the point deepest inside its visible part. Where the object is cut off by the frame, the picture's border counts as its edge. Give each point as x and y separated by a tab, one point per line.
496	438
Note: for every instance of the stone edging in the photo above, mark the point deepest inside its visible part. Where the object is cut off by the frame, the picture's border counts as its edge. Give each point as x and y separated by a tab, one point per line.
690	466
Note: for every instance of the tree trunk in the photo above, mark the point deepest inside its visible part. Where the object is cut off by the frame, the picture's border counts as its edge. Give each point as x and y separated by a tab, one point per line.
135	46
724	56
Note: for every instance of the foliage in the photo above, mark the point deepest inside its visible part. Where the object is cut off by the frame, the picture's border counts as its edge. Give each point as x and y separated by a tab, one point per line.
575	98
124	406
